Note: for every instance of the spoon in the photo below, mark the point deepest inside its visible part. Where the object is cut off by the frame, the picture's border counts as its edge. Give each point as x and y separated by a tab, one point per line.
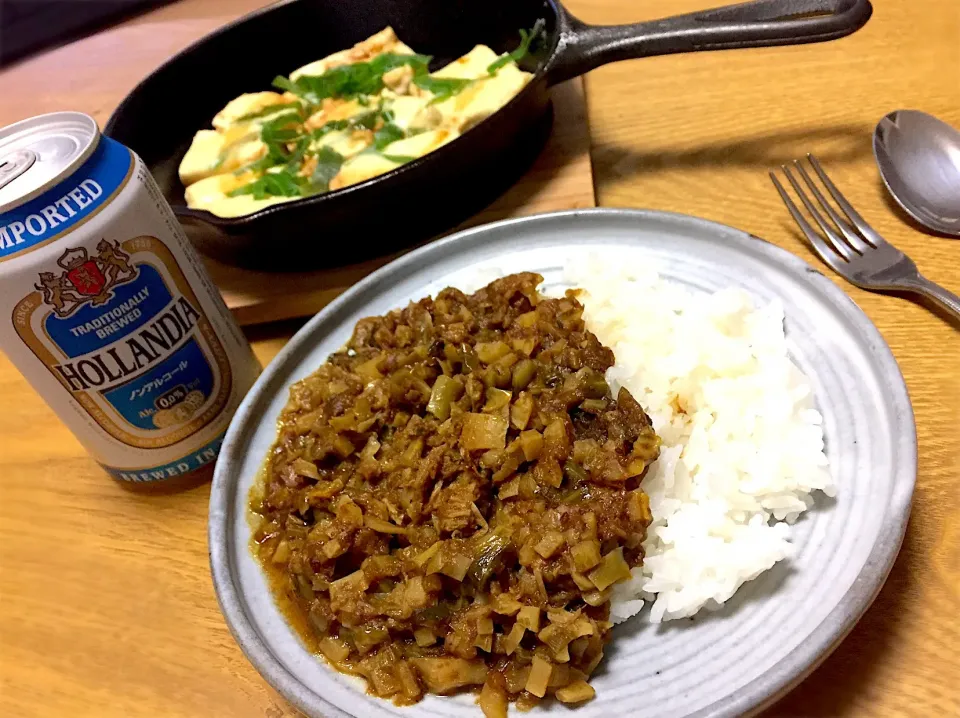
919	159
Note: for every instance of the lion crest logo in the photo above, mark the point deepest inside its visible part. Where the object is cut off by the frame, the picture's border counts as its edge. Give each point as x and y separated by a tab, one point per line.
85	279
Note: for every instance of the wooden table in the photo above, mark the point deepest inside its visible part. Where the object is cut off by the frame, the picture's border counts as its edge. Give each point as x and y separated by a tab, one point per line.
106	606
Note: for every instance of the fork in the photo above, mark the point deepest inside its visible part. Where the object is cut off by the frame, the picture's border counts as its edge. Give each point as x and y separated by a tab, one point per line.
852	248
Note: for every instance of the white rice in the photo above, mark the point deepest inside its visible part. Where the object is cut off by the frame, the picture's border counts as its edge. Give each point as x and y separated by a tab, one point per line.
742	444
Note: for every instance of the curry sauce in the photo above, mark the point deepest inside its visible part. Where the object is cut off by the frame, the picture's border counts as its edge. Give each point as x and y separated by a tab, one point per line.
452	496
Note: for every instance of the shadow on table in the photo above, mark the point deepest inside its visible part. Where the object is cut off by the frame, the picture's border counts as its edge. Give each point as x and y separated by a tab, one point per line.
833	145
847	675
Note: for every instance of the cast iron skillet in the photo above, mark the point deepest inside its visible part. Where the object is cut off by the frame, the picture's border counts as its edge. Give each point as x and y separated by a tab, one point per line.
160	116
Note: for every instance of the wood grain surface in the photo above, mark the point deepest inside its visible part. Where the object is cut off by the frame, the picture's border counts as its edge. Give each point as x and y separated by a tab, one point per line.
106	605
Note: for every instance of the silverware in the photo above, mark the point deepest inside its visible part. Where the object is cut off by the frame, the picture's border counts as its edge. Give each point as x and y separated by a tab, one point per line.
919	160
852	248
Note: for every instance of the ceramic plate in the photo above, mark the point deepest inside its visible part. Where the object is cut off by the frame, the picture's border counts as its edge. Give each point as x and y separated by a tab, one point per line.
778	627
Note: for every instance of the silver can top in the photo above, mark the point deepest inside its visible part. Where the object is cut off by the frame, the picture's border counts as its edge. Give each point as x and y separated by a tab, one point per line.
36	154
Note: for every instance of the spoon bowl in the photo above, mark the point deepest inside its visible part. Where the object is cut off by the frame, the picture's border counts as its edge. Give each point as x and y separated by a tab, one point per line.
919	160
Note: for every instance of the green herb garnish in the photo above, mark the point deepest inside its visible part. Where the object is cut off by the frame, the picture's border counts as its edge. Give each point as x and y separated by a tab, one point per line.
358	79
277	134
367	120
331	126
329	162
285	84
272	184
400	159
288	183
296	156
387	134
391	61
523	49
275	156
441	87
281	129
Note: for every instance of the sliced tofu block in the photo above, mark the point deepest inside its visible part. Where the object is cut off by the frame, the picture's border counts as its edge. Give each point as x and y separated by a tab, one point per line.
213	188
245	105
212	152
211	194
411	111
472	65
421	144
364	51
482	98
346	142
203	157
361	168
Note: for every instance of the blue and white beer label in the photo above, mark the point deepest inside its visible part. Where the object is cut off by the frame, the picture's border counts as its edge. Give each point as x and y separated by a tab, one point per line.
115	312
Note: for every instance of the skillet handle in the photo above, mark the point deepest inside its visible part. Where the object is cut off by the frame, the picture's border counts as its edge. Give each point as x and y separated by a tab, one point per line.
761	23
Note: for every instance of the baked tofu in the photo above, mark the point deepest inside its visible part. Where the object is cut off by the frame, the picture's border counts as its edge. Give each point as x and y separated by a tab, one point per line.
354	124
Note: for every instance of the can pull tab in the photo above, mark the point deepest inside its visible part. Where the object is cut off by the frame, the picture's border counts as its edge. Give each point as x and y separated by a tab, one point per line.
15	164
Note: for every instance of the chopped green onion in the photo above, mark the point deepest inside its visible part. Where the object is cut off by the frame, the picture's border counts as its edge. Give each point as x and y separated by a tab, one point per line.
523	49
441	87
347	81
387	134
329	162
271	184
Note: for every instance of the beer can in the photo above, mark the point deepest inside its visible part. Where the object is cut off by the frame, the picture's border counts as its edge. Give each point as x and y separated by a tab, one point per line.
105	306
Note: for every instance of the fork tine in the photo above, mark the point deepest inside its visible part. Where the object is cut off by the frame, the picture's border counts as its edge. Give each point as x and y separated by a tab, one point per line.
833	239
816	242
859	222
848	233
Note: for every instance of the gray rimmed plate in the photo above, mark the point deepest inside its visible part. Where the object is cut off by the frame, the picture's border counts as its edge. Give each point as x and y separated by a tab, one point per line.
778	627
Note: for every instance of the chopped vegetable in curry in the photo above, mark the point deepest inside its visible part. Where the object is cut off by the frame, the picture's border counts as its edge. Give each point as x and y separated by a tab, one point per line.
452	496
335	122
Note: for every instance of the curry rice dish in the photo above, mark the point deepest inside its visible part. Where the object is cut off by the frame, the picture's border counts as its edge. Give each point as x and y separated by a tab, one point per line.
452	496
